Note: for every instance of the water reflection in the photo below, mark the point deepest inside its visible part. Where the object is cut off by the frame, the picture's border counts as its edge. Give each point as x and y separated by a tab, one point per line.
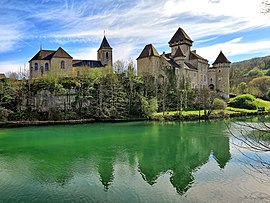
56	154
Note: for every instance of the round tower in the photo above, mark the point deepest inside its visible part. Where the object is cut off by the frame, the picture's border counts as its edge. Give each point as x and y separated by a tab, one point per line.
222	69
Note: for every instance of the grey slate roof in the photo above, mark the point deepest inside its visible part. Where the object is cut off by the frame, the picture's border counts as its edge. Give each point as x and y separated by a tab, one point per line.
149	50
87	63
104	43
190	66
180	35
179	53
221	59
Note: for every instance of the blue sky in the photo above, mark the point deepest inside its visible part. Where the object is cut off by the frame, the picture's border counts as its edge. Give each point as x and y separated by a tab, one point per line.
235	26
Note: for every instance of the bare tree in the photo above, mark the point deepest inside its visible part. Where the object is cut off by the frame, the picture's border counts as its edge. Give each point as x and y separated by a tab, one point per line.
266	6
255	137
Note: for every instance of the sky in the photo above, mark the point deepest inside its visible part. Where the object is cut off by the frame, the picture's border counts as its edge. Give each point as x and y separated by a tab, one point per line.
237	27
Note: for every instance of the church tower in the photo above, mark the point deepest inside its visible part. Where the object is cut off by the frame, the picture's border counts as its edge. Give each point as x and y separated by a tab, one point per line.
222	69
105	53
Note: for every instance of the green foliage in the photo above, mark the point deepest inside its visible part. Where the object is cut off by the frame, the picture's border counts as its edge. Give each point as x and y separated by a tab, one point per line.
262	84
149	107
219	104
245	101
242	87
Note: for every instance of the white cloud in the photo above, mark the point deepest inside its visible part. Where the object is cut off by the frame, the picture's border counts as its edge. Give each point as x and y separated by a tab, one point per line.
234	47
12	66
131	27
9	36
85	54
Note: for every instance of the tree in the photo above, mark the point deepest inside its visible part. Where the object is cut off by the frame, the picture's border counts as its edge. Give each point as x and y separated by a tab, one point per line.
262	83
205	100
266	6
242	87
253	136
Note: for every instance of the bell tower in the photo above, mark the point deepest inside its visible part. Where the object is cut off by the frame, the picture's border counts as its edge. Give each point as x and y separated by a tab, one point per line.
104	53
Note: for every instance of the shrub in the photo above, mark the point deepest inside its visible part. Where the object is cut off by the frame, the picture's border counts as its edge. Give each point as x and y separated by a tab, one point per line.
245	101
219	104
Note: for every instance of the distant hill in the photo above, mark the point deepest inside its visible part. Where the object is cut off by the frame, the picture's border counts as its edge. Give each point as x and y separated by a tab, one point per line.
245	71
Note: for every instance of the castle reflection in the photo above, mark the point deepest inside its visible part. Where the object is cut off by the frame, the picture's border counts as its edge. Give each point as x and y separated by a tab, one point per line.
56	154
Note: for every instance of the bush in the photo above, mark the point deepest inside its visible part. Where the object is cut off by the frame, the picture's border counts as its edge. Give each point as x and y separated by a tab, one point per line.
245	101
219	104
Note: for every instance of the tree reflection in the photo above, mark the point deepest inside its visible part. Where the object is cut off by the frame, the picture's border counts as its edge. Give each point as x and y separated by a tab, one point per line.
178	148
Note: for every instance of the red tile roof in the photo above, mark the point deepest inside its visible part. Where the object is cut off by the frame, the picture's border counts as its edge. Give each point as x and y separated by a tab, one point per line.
49	54
2	76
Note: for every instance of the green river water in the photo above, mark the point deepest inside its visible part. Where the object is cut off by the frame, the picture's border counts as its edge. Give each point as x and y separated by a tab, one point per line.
127	162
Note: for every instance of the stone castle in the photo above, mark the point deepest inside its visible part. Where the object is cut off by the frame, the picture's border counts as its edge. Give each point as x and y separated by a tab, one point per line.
186	63
59	62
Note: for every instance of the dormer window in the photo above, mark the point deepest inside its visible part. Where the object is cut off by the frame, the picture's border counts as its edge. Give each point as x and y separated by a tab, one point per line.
36	66
46	67
63	65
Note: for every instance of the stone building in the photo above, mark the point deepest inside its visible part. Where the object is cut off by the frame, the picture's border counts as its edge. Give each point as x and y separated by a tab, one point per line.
2	76
60	63
185	62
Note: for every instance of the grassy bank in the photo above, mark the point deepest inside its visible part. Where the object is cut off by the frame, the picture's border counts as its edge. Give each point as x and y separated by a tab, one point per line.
216	114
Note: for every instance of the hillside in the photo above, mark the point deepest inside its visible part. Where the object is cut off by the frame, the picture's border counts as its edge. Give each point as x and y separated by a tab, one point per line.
245	71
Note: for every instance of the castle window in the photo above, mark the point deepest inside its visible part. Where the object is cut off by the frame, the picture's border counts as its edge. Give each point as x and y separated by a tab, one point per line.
204	78
62	64
107	55
36	66
219	71
46	67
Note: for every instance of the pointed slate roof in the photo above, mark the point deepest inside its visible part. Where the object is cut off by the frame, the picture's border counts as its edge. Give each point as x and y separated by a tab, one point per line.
104	43
179	53
149	50
49	54
180	35
221	59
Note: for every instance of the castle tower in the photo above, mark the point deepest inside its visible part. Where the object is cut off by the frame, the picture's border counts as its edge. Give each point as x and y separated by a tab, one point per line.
222	72
182	40
148	62
179	57
105	53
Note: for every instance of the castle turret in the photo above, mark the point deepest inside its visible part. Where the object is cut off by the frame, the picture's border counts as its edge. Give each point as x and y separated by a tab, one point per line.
222	70
105	53
148	61
179	57
182	40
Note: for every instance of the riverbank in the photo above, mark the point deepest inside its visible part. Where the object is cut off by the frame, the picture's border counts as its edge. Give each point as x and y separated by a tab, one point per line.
168	116
216	114
14	124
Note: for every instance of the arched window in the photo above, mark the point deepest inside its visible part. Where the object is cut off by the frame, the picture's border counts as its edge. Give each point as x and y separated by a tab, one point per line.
36	66
46	67
107	55
62	64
